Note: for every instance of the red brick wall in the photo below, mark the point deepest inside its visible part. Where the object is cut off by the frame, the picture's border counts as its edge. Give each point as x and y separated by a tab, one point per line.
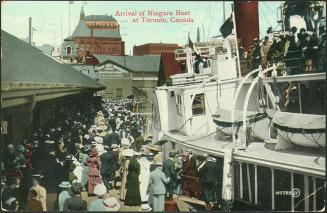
110	46
154	49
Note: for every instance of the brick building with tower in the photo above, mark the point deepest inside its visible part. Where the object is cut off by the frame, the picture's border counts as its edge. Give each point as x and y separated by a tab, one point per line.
94	34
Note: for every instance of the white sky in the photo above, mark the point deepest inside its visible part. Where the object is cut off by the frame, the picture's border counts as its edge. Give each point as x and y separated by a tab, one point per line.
47	15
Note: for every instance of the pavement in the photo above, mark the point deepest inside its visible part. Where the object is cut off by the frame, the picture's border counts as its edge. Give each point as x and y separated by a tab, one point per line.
113	193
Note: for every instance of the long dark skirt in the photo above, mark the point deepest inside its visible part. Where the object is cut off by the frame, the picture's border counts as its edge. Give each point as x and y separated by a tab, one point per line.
133	196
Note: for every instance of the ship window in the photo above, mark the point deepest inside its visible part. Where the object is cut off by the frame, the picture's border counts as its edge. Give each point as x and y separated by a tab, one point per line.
198	105
179	105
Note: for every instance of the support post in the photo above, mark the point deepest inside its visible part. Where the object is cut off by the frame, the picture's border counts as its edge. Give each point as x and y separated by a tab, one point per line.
300	99
306	193
314	186
256	184
272	189
249	181
241	182
292	187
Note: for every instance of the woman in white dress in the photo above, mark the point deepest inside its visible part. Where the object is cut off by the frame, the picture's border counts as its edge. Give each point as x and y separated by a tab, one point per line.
144	177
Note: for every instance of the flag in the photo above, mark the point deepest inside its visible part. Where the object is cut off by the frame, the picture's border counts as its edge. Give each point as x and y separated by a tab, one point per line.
33	29
227	27
190	43
71	2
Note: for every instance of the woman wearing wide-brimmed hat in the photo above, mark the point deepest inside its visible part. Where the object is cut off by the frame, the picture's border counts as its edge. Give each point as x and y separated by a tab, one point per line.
93	162
133	195
126	156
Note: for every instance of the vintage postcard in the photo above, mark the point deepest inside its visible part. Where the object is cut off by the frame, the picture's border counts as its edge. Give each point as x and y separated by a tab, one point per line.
163	106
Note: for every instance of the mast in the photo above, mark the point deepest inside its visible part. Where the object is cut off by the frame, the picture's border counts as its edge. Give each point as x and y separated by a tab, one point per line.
30	30
224	16
236	42
69	19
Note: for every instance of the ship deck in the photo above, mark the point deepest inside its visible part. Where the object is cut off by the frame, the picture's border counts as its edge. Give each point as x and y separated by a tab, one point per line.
306	161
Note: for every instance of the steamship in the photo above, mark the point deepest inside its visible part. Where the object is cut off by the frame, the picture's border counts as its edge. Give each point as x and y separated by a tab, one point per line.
269	158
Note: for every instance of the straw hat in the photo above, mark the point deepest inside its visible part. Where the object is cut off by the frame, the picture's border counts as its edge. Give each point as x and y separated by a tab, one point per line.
127	152
145	207
100	189
137	153
154	148
111	204
98	139
65	184
101	134
158	160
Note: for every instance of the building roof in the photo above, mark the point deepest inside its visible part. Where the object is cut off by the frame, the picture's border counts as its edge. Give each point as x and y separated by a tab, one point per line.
25	65
101	57
100	18
82	30
149	63
46	48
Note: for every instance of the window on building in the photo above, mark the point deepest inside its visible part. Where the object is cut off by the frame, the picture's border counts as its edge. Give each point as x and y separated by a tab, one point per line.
198	105
119	93
68	50
179	105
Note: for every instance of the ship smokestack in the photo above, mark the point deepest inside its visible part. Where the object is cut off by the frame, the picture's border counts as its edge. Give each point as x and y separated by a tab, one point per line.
247	22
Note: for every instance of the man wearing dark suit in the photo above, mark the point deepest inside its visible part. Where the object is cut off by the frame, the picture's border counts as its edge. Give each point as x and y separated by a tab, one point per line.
113	138
75	203
208	176
169	170
109	164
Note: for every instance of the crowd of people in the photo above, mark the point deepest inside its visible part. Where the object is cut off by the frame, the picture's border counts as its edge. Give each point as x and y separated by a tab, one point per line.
298	51
97	151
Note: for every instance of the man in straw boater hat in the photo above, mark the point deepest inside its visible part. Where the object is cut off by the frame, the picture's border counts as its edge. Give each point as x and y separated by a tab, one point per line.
75	203
64	194
97	205
41	191
157	187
